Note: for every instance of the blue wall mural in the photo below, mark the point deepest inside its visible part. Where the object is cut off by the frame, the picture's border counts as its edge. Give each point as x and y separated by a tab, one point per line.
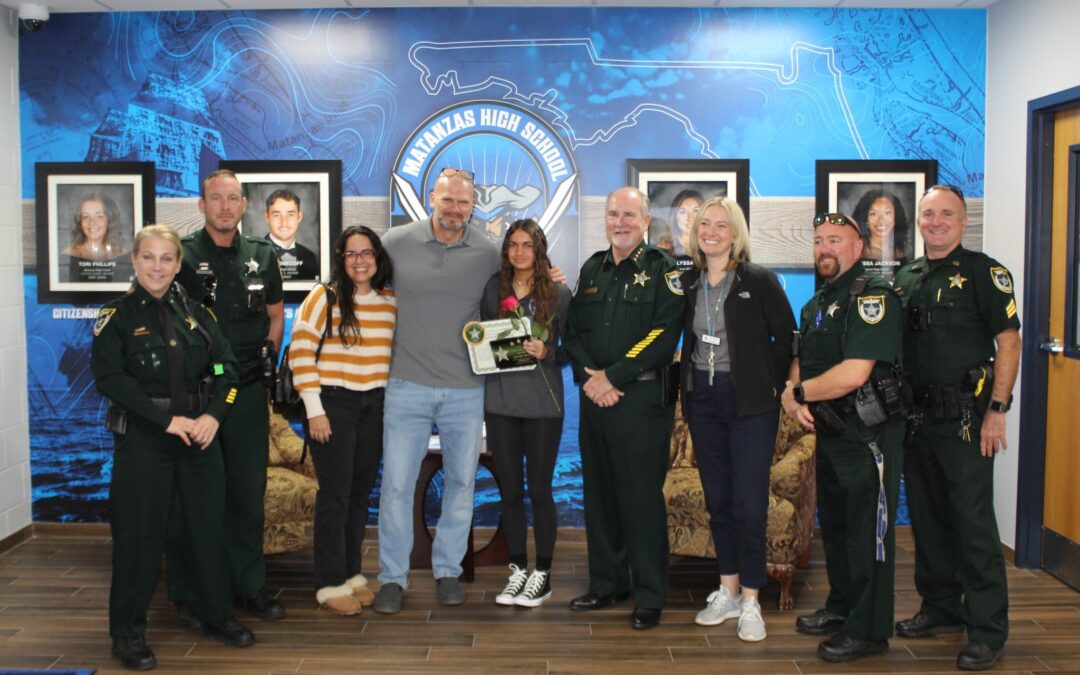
186	89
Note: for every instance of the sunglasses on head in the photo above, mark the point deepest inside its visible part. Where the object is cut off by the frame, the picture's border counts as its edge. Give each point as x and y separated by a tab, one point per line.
450	172
835	219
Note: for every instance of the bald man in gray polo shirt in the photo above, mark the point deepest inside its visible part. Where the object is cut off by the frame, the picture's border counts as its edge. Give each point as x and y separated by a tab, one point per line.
441	266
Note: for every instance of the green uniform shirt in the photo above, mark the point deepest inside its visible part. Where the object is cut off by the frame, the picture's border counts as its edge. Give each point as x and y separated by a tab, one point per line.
625	319
968	299
235	270
128	354
872	319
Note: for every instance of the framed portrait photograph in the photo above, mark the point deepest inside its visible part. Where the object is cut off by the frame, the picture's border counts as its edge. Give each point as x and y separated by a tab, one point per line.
882	196
296	206
87	214
676	188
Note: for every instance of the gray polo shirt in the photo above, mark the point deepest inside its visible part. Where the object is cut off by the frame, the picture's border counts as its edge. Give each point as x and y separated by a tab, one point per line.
438	289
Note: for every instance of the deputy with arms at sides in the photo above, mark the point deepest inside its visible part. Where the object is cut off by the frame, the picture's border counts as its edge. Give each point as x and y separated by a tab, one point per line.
736	354
170	377
961	353
238	278
844	385
624	325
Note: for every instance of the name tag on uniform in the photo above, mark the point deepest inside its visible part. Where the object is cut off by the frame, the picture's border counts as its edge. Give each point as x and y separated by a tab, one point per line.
710	340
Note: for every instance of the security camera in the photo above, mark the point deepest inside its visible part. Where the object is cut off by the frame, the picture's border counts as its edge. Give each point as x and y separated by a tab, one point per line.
33	15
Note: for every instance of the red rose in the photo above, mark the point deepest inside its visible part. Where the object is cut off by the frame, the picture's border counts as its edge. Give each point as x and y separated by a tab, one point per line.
509	304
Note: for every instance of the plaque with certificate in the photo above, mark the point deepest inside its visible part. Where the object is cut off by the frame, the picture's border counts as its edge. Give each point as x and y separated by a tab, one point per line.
498	346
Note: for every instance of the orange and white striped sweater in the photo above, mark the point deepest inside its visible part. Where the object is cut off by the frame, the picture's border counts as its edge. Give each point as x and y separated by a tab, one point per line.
363	365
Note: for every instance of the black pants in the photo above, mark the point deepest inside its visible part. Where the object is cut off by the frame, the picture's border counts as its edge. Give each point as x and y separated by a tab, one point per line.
734	455
860	587
157	483
345	467
959	568
245	446
624	458
512	441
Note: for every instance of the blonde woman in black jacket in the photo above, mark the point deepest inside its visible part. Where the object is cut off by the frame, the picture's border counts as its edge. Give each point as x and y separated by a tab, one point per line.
735	355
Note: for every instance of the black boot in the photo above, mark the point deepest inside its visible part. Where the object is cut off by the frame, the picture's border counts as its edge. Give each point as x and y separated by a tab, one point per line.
133	653
231	631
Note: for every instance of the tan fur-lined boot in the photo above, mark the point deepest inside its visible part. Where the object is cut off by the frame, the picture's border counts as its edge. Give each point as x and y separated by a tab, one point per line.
360	590
339	600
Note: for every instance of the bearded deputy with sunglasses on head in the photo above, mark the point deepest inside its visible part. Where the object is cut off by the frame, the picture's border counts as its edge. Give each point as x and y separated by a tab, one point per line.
961	353
844	385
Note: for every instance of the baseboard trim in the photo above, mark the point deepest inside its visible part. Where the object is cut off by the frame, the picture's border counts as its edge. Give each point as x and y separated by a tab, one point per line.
15	538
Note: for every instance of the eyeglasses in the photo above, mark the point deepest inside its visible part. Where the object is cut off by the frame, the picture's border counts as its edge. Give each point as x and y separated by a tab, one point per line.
367	254
835	219
951	188
450	172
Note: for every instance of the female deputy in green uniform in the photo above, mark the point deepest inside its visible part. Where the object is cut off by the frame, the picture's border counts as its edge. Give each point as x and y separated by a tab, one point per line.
170	378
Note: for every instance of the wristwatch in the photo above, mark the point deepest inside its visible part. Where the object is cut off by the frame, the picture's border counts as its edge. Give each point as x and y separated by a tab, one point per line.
998	406
798	394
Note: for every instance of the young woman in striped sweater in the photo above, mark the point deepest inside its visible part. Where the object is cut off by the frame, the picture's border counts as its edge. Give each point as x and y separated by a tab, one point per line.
342	390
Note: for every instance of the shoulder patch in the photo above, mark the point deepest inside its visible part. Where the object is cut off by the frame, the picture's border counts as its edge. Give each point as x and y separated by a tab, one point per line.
871	308
1002	279
673	279
103	317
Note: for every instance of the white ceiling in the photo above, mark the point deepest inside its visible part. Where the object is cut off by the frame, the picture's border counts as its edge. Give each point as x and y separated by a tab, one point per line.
161	5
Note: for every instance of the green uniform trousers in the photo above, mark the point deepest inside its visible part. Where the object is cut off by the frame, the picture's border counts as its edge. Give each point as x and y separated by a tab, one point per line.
959	568
244	437
860	588
624	457
152	472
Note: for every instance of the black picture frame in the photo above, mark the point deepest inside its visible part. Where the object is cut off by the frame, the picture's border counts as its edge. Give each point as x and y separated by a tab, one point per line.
670	184
853	187
73	268
317	183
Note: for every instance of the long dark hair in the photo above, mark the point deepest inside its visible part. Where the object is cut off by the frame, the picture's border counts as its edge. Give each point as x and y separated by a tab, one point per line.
861	214
543	290
344	287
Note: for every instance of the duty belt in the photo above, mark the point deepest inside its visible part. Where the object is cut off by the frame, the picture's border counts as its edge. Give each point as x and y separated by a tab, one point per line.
193	404
250	373
944	401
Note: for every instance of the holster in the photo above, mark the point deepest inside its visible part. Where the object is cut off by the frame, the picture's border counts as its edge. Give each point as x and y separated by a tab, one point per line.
669	383
116	419
828	421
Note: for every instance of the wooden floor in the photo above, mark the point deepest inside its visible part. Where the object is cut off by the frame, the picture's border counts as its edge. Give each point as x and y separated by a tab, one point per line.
54	593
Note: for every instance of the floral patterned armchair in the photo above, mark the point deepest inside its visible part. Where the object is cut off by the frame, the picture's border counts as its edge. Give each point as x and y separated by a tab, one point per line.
792	502
290	491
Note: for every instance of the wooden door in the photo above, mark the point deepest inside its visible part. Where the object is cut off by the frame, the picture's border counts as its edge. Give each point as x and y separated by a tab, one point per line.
1061	496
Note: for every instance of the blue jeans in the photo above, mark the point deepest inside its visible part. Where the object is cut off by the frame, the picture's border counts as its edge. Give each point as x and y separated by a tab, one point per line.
410	411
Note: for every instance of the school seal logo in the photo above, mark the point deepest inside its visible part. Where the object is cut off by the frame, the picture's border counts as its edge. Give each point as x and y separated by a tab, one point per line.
521	168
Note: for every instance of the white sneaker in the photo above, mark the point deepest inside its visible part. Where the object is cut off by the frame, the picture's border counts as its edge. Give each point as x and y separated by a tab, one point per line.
537	589
721	607
518	577
751	625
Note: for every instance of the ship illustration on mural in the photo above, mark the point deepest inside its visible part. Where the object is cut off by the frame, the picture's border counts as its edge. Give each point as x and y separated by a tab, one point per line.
169	123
